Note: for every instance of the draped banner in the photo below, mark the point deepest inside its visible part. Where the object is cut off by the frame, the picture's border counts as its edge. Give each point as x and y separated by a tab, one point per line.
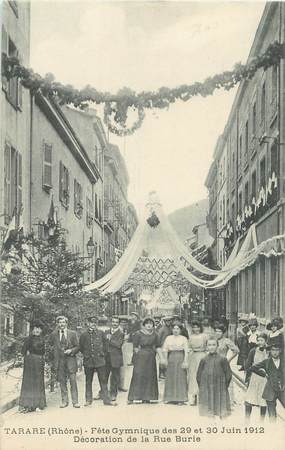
169	259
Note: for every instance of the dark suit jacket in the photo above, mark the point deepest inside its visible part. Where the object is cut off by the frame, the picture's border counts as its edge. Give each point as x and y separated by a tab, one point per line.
61	361
93	348
267	368
114	347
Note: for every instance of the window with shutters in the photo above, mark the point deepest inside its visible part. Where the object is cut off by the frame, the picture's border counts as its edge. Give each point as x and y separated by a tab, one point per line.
263	104
47	166
12	183
78	202
13	86
63	185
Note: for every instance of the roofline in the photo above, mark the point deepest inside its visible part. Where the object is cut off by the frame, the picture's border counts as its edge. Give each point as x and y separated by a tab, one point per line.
68	135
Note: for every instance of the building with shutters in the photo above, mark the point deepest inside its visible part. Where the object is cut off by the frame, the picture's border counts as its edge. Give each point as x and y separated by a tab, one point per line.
14	117
248	172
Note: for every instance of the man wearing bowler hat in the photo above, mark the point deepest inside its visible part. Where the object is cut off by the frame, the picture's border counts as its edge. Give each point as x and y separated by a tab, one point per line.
92	344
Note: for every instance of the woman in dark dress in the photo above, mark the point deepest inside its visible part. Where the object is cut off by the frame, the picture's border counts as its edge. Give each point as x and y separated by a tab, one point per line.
33	388
144	385
175	349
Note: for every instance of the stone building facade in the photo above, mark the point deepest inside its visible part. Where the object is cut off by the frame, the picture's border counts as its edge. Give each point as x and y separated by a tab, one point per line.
254	189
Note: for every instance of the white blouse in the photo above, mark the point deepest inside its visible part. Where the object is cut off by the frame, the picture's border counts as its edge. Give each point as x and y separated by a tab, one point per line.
175	343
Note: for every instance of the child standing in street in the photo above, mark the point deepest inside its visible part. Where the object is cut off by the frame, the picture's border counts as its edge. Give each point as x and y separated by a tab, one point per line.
273	369
213	377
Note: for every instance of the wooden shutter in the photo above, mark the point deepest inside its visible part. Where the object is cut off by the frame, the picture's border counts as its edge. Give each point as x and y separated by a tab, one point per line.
19	183
47	165
4	49
7	184
61	181
67	185
75	196
96	206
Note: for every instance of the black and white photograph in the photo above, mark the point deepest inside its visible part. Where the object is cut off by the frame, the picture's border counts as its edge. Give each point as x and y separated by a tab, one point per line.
142	224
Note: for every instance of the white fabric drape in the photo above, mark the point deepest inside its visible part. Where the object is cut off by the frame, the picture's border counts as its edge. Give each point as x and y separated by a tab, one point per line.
184	262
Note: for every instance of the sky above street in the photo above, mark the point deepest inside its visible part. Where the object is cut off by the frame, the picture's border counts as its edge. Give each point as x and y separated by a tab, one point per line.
146	45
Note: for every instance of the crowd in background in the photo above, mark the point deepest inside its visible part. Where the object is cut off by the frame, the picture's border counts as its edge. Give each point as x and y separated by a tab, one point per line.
192	360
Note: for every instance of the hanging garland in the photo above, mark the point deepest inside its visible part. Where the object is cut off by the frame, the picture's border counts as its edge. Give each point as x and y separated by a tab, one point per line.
119	107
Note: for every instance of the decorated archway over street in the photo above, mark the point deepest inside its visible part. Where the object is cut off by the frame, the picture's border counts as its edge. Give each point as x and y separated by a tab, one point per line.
156	257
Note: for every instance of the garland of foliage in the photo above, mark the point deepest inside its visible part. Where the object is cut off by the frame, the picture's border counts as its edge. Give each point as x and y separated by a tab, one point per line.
118	107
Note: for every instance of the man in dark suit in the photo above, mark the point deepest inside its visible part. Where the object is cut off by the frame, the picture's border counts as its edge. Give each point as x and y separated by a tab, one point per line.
114	355
273	369
92	344
65	345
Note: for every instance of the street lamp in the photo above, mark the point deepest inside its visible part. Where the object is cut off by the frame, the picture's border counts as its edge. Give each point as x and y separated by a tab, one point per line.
90	247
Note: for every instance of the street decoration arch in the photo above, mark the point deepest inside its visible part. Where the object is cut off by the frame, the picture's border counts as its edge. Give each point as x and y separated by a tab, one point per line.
168	263
119	107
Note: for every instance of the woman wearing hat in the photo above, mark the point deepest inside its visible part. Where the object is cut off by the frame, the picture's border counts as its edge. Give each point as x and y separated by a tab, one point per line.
32	394
253	333
275	334
144	385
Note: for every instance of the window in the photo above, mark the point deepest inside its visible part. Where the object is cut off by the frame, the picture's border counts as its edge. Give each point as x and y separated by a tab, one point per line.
253	184
78	204
262	173
47	165
246	193
254	119
89	212
12	183
9	324
274	79
63	185
263	102
13	87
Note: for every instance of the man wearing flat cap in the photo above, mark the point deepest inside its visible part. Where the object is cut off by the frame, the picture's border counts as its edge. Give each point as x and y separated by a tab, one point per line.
92	344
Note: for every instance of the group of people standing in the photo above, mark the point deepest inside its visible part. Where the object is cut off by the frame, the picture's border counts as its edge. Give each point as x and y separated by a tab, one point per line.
262	358
193	362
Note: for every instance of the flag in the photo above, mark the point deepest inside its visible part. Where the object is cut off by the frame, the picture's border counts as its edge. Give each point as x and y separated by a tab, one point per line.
52	219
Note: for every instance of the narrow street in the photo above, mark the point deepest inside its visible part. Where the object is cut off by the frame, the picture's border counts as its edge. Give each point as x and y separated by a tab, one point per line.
62	422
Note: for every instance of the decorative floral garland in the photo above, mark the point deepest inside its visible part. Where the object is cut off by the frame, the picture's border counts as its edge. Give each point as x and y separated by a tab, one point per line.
153	220
117	107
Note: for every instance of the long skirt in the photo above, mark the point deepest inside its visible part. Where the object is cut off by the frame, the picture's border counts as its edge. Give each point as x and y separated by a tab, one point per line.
144	385
175	388
33	387
194	361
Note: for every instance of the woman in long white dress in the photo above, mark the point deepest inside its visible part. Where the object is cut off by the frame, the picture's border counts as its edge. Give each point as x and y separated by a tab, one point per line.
197	350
